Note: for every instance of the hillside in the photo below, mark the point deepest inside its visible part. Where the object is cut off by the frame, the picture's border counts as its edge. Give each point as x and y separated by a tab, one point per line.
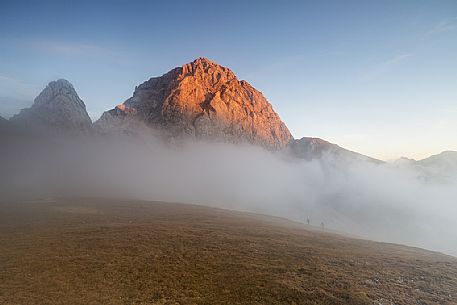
115	252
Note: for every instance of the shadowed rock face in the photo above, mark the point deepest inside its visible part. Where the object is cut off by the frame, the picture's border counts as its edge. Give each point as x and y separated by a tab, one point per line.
57	109
310	148
204	100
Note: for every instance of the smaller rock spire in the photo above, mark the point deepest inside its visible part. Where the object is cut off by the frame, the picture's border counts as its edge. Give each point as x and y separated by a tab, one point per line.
56	109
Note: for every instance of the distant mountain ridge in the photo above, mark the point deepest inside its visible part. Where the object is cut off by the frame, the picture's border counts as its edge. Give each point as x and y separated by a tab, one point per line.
201	100
445	158
442	166
315	148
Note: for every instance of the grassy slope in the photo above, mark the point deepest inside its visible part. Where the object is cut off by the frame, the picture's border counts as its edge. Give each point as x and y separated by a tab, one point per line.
100	252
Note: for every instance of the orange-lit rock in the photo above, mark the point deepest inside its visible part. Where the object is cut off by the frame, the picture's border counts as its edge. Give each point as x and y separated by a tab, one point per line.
204	100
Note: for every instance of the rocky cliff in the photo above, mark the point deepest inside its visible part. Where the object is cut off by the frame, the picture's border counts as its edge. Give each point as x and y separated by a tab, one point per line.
57	109
203	100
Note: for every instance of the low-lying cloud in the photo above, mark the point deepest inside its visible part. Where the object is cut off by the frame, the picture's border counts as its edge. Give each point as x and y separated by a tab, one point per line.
380	202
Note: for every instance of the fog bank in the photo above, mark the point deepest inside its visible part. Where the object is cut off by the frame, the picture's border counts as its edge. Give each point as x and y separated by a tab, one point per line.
380	202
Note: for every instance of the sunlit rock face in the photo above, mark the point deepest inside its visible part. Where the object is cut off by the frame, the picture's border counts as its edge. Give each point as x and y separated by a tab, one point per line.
57	109
203	100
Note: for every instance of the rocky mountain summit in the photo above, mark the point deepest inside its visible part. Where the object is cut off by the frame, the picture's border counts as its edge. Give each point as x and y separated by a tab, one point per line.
204	100
57	109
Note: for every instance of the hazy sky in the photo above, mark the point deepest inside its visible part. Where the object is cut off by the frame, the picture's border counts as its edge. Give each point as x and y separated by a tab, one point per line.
377	77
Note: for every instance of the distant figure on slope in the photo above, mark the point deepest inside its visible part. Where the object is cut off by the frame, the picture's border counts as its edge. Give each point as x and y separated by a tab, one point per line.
322	225
308	221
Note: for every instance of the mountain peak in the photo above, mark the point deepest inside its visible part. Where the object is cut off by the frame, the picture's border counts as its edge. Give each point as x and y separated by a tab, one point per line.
204	62
203	68
60	87
205	100
61	82
56	109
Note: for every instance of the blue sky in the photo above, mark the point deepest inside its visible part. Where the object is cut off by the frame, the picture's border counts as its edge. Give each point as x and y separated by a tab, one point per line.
377	77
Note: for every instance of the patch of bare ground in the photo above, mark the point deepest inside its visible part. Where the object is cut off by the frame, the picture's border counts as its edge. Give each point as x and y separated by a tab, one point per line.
119	252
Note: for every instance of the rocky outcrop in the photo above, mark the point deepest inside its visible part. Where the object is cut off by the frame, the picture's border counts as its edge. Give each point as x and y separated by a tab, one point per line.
315	148
57	109
203	100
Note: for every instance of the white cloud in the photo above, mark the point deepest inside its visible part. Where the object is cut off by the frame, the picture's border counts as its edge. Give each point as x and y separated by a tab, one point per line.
385	66
444	26
380	202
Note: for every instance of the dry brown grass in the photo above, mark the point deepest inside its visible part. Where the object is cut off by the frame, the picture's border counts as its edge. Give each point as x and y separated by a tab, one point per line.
113	252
